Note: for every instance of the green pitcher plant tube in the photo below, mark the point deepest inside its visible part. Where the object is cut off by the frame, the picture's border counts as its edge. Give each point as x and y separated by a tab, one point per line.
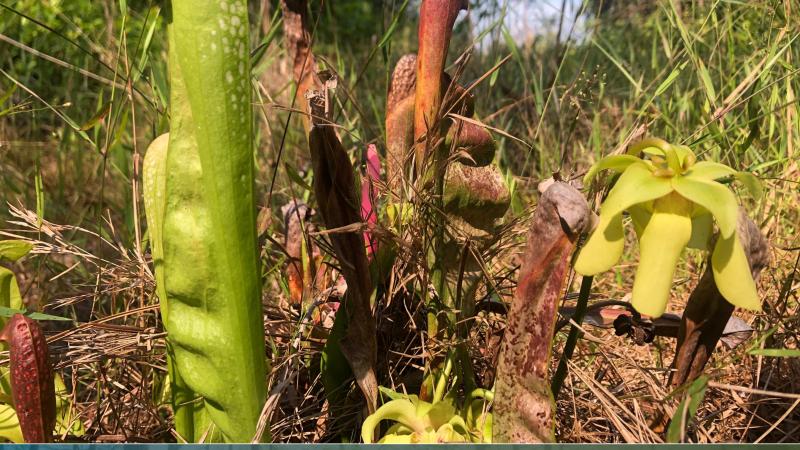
202	221
673	202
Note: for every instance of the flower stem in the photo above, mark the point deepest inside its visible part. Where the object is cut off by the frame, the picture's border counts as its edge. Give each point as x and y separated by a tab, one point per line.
572	339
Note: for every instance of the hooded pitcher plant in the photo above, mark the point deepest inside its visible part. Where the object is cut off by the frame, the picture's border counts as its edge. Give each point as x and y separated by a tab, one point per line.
201	215
673	201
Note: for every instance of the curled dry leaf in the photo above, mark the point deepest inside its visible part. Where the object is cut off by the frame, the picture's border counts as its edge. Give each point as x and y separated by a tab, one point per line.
335	189
337	198
735	333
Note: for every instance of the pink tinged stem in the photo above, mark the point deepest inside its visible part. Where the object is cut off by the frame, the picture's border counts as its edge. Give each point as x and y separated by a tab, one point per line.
369	196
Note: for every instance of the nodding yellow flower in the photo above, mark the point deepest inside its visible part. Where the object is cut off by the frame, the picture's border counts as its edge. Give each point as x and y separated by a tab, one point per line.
673	201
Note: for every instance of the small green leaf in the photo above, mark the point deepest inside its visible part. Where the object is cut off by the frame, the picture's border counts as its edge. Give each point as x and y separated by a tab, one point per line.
714	197
387	36
687	409
67	420
8	312
640	216
335	371
296	177
495	74
7	94
685	155
9	425
763	338
42	316
660	247
39	187
392	395
12	250
9	291
653	152
705	77
97	118
732	273
670	79
673	159
702	229
616	163
441	412
650	146
399	213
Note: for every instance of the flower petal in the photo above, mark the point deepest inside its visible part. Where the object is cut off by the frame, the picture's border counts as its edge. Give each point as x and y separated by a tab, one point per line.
650	146
616	163
604	247
686	156
714	197
752	183
710	171
662	242
702	229
636	185
732	273
674	160
640	216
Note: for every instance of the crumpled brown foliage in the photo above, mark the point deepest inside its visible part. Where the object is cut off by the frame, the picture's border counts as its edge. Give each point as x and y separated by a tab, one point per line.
335	189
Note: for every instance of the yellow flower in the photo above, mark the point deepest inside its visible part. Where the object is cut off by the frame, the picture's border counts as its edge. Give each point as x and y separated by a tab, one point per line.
673	201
